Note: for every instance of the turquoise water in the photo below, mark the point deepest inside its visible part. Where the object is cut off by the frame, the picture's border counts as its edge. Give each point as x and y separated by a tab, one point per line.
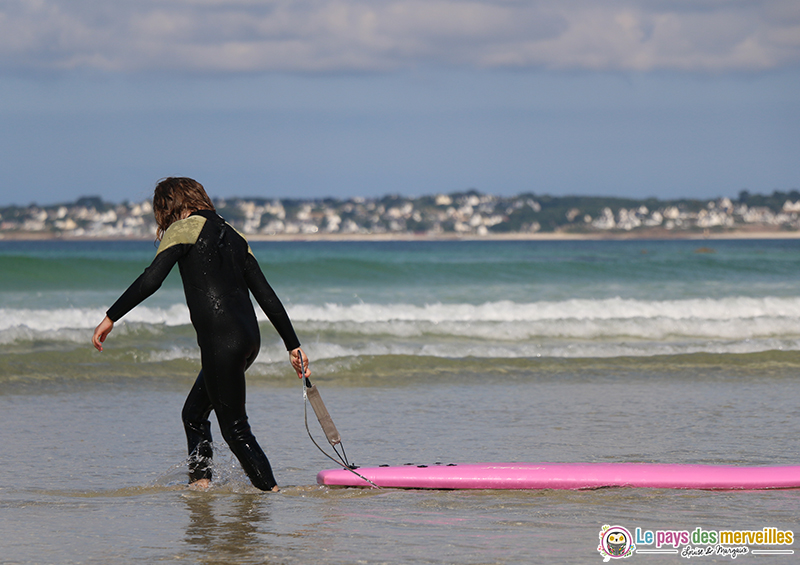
661	351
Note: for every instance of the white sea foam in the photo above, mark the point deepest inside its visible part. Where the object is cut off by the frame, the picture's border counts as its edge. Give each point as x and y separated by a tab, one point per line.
580	327
726	317
173	353
577	309
83	318
538	349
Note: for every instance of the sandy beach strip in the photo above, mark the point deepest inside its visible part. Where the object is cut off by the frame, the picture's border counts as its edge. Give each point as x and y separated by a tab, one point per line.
754	232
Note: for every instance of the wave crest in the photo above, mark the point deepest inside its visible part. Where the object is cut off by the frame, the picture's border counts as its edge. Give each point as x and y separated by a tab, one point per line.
570	328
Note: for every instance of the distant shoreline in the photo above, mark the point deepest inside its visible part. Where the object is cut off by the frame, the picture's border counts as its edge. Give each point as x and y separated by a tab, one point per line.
547	236
469	216
638	235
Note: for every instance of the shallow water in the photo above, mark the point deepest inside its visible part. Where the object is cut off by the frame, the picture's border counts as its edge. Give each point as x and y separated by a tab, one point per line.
97	474
423	354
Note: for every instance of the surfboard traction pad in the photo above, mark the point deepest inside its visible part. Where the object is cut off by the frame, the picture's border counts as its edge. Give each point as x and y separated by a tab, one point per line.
567	476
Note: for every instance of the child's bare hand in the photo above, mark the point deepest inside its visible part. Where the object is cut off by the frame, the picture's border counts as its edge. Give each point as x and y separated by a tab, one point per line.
101	333
295	357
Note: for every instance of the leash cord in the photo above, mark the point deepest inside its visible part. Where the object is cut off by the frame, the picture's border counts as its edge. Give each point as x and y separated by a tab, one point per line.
342	459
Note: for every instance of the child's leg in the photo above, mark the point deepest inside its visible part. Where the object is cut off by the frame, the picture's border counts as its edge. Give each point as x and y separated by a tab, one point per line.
243	443
198	431
224	363
225	385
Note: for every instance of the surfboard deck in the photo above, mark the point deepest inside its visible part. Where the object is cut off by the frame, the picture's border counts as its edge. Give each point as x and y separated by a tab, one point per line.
566	476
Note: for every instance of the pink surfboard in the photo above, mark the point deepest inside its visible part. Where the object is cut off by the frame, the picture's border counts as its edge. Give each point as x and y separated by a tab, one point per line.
572	476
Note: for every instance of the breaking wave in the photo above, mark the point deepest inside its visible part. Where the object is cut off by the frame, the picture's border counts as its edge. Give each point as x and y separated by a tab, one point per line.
578	327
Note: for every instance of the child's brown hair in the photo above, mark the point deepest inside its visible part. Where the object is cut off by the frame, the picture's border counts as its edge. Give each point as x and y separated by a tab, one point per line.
173	197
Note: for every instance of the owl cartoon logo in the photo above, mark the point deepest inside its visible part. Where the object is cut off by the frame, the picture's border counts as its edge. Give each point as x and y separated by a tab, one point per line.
615	543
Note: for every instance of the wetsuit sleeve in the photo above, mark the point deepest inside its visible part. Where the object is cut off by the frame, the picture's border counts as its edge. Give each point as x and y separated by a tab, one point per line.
269	302
148	282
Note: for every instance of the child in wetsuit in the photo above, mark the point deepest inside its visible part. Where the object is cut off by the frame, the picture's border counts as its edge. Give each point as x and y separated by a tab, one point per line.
219	271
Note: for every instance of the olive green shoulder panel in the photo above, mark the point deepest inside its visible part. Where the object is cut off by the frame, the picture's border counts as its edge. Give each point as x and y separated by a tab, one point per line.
182	231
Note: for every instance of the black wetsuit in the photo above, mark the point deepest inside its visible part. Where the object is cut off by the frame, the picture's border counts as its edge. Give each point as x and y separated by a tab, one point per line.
218	269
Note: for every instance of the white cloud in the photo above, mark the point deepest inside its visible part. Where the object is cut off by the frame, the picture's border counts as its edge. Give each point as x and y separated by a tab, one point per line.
338	35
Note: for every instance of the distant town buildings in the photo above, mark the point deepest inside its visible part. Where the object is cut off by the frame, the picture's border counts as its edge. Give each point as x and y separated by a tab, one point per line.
468	214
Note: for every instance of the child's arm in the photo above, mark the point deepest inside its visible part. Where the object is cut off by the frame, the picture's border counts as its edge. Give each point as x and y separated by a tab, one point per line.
272	307
147	283
270	303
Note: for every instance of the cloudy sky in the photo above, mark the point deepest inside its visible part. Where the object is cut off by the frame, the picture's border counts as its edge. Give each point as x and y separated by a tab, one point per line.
308	98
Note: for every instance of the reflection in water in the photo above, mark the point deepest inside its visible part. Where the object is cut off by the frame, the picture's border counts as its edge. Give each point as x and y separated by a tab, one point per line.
226	529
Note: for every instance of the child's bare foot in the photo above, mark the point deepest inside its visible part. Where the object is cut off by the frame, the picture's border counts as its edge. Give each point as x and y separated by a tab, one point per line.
276	489
200	484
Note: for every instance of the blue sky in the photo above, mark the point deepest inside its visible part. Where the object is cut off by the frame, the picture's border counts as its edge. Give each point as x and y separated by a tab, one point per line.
312	98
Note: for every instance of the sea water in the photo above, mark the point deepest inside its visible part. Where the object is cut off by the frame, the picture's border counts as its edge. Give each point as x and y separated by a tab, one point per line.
425	352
